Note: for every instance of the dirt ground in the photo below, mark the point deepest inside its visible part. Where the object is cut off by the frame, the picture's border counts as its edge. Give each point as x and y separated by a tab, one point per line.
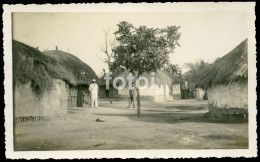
178	124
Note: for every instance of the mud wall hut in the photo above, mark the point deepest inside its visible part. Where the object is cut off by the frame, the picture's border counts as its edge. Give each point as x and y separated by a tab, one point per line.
111	92
175	86
165	88
226	82
78	74
41	83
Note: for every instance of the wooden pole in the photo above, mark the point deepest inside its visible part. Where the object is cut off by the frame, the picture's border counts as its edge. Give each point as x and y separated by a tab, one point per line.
138	103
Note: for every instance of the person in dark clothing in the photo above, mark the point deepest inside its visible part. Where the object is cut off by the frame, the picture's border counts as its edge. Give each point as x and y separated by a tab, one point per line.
132	96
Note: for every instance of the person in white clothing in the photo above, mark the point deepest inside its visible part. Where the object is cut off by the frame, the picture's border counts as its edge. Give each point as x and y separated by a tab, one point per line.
93	89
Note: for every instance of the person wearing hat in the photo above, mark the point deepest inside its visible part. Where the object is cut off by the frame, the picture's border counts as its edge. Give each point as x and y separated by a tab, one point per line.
93	89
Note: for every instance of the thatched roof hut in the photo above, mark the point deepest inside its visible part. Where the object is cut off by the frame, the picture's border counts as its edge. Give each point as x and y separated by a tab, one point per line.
175	79
31	65
232	67
42	82
76	72
226	81
111	92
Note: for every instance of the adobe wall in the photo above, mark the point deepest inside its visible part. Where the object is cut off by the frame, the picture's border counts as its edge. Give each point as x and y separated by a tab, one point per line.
53	104
228	99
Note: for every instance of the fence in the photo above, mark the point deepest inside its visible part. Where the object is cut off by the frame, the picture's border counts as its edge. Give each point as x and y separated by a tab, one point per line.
78	100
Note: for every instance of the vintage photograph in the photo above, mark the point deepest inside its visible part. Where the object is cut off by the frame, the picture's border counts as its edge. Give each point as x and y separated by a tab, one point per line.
114	80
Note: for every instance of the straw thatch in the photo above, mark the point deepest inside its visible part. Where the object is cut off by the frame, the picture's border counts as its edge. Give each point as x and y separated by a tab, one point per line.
232	67
175	79
74	70
32	66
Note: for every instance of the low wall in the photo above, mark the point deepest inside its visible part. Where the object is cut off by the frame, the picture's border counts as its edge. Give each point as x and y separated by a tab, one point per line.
229	100
53	104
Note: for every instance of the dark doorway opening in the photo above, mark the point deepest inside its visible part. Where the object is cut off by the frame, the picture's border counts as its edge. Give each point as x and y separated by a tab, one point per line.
107	93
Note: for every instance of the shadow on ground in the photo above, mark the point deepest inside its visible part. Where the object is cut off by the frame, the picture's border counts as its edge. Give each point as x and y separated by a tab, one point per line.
177	117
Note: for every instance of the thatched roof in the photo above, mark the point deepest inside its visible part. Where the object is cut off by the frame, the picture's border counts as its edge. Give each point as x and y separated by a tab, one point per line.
194	70
32	66
175	79
76	71
160	77
230	68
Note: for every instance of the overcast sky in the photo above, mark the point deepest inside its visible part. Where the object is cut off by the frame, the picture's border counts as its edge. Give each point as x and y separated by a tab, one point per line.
204	35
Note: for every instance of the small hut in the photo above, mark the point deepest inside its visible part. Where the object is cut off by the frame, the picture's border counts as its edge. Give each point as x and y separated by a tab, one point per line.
226	82
166	88
78	74
111	92
176	84
42	83
189	88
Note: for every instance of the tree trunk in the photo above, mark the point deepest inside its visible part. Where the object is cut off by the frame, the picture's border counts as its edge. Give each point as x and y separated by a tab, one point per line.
138	101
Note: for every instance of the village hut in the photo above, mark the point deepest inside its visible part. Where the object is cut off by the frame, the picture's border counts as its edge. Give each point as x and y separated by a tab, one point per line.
226	81
111	92
176	85
41	83
189	88
80	76
165	88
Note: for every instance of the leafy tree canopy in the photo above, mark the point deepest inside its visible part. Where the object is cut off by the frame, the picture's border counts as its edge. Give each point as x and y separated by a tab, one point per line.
173	69
144	49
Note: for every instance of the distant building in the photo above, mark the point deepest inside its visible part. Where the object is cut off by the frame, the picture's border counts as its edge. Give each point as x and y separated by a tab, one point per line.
166	88
111	92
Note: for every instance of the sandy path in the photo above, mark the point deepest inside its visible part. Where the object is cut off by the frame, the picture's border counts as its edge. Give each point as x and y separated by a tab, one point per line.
170	125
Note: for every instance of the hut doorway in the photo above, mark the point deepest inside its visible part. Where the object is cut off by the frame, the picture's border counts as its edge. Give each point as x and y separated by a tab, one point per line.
80	99
79	96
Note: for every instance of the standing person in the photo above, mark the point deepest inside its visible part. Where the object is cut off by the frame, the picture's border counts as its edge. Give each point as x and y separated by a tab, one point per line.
132	96
93	89
197	92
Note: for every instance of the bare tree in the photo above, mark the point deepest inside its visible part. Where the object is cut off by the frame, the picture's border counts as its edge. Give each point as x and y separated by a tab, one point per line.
107	47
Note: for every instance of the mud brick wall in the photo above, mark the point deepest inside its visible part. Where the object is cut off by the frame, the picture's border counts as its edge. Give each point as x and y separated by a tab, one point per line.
52	104
229	99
